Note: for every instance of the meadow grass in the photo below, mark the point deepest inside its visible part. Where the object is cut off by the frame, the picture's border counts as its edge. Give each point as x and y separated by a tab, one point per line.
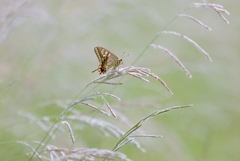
93	107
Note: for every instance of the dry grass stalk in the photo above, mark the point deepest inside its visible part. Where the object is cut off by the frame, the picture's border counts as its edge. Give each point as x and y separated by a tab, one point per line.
70	130
84	154
106	127
84	102
174	58
216	7
108	106
125	138
137	72
190	41
95	107
196	20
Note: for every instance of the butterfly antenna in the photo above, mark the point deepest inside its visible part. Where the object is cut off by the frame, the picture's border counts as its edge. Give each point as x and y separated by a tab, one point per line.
123	55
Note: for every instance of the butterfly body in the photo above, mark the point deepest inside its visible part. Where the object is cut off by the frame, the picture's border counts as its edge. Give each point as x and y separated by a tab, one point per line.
106	60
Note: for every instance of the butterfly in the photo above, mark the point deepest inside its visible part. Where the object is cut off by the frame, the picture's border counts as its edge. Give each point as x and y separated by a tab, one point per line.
106	60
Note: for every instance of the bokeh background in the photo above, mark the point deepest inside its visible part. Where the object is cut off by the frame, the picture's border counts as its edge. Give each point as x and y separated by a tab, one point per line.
46	54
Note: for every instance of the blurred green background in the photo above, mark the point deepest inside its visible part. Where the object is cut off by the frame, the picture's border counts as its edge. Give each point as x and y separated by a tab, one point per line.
46	54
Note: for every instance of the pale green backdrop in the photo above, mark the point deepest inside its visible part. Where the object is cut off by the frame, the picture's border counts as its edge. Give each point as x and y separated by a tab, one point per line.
46	54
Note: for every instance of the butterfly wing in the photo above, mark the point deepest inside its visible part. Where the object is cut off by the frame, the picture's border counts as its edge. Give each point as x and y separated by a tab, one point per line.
99	53
112	61
106	60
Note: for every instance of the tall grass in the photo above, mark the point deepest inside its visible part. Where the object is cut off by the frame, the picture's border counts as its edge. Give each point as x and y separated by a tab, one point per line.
106	118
